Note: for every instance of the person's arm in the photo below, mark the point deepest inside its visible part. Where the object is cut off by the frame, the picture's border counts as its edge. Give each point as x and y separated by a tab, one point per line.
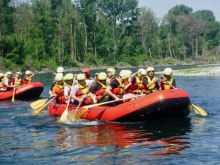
153	82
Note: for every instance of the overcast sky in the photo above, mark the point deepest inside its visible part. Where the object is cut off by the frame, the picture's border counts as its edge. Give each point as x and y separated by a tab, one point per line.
161	7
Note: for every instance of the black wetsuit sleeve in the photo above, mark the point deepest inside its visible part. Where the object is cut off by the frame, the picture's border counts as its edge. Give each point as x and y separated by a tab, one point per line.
114	84
174	83
95	88
133	81
145	82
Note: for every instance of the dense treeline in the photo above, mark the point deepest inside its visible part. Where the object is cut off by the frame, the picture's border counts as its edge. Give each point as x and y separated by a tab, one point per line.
46	33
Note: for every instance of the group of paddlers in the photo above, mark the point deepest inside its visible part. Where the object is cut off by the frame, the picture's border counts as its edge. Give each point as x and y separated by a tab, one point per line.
81	89
9	81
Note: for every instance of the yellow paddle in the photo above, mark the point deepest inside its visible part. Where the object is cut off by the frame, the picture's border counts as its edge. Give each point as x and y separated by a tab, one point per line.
37	104
13	96
64	115
39	110
198	110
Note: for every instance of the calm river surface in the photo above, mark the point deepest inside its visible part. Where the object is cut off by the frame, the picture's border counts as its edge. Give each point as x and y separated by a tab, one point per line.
25	139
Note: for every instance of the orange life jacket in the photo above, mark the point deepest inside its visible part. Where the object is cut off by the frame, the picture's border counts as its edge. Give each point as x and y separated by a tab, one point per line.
58	89
167	86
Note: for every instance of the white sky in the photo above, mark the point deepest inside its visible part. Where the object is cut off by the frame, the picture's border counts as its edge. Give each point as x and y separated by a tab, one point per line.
161	7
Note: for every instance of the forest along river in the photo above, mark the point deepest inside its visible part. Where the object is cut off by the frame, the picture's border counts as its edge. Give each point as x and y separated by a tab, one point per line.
25	139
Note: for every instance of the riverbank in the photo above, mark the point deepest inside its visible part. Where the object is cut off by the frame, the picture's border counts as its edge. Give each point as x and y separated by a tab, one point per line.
200	71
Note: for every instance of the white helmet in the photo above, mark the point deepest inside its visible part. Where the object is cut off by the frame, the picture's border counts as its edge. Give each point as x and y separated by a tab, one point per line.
81	76
144	72
19	73
1	74
28	72
168	71
102	76
111	70
150	69
125	74
140	70
68	76
60	69
8	73
59	77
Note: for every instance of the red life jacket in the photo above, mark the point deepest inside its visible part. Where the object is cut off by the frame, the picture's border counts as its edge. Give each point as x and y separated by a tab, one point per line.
138	87
101	92
119	90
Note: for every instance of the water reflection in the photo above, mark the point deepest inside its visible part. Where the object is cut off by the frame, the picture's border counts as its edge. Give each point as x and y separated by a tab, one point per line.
154	138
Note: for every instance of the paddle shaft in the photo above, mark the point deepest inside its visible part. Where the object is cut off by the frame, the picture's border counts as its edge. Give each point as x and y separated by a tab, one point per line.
13	96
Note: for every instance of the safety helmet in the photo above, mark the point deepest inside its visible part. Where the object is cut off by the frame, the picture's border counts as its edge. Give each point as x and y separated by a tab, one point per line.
111	70
28	72
59	77
19	73
125	74
140	70
80	76
144	72
1	74
86	70
102	76
60	69
150	69
68	76
168	71
8	73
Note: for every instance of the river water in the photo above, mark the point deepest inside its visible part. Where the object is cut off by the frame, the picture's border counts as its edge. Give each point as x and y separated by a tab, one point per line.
25	139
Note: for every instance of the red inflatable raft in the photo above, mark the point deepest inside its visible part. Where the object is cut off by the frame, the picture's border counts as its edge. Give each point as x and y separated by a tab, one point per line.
159	105
25	92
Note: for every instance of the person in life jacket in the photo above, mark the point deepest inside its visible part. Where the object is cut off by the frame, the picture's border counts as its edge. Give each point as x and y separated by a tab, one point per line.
8	82
99	89
86	71
111	75
80	91
139	82
59	70
117	89
1	82
18	78
68	78
58	89
167	82
28	77
152	82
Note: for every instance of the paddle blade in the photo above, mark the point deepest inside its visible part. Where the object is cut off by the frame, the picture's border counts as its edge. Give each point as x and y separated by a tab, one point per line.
38	111
37	104
199	110
64	115
13	98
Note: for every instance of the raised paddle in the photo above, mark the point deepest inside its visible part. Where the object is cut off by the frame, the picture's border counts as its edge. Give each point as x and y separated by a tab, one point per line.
38	111
198	110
